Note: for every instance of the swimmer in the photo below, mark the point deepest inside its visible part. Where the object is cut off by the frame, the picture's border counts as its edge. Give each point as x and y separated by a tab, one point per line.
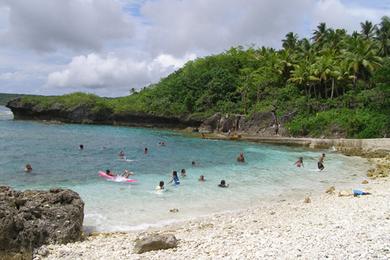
299	163
193	163
241	158
28	168
81	146
175	178
161	143
109	173
201	178
160	186
223	184
321	162
126	173
146	150
121	155
183	173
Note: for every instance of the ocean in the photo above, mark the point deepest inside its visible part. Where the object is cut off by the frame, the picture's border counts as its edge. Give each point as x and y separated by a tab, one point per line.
53	151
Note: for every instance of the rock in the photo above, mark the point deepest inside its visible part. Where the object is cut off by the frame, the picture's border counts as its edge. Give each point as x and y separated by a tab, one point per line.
345	193
31	219
331	190
174	210
43	251
365	182
307	200
154	242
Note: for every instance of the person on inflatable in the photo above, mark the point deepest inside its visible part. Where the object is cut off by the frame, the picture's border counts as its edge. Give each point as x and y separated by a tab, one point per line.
109	173
175	178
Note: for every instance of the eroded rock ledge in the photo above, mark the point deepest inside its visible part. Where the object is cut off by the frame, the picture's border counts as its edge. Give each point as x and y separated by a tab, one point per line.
30	219
84	114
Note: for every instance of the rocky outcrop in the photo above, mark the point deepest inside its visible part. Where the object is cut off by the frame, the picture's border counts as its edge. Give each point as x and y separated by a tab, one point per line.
154	242
88	114
30	219
260	124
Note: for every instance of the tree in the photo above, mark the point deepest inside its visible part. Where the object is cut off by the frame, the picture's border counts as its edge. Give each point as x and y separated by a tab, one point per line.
383	36
320	33
290	41
367	29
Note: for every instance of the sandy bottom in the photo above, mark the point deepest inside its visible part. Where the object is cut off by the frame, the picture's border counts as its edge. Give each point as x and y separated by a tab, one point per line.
329	227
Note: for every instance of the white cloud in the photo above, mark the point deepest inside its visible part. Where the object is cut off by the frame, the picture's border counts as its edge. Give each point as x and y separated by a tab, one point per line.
48	25
337	14
96	72
177	26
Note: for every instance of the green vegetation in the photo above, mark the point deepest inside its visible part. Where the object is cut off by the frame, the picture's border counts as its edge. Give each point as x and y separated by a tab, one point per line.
336	83
5	97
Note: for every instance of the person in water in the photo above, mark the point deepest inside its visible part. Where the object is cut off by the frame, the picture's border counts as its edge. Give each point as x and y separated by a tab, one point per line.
223	184
109	173
299	163
28	168
81	146
241	158
183	173
146	150
175	178
321	162
201	178
193	163
127	173
160	186
121	155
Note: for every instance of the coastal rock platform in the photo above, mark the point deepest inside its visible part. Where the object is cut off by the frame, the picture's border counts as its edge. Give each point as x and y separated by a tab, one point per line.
30	219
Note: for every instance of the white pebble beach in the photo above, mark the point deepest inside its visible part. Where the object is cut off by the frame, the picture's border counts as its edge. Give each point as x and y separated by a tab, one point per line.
328	227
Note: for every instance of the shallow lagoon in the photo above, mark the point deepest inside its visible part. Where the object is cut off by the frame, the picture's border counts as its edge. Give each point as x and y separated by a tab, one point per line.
53	151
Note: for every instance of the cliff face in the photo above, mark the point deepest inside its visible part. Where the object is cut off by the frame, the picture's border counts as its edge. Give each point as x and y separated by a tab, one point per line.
259	124
85	114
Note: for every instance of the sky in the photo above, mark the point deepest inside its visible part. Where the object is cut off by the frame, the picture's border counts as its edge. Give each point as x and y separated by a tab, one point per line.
108	47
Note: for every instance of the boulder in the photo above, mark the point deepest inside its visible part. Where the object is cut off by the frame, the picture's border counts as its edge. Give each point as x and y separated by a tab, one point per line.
30	219
154	242
331	190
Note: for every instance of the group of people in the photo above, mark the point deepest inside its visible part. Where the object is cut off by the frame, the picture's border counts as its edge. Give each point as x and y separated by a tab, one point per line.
320	163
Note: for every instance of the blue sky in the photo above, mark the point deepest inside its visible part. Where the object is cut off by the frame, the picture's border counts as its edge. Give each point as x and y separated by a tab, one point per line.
109	46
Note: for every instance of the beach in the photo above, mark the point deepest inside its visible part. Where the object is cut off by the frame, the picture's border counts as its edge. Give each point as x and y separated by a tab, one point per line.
329	226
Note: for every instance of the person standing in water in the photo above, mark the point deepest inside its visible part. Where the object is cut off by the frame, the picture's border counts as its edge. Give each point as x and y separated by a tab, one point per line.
299	163
146	150
121	155
241	158
223	184
175	178
183	173
81	146
321	162
201	178
28	168
160	186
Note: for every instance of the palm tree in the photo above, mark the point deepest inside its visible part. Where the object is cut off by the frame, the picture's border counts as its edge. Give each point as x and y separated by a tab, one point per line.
383	36
291	41
367	30
362	58
320	34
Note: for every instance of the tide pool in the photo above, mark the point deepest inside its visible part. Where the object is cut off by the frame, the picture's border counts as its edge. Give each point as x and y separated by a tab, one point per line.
53	151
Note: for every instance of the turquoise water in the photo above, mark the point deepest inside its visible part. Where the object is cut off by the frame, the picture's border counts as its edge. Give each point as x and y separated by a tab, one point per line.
52	150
